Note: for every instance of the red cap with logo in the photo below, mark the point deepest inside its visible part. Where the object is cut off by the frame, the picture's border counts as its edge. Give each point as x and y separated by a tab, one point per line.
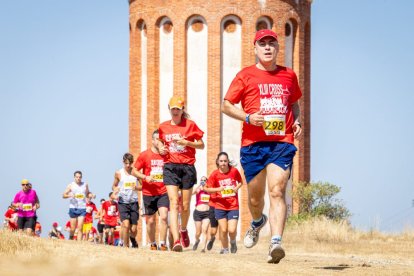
264	33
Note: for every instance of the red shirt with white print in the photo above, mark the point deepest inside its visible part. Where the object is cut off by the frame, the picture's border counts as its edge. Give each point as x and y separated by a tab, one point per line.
271	92
111	212
90	208
186	129
228	198
152	164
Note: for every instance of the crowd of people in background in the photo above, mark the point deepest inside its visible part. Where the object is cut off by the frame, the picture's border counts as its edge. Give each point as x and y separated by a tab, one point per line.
166	175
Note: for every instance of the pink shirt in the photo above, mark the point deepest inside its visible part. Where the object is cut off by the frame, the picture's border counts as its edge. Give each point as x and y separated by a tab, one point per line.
28	199
202	197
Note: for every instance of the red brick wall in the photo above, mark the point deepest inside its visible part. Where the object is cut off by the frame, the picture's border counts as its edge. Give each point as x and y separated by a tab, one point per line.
279	11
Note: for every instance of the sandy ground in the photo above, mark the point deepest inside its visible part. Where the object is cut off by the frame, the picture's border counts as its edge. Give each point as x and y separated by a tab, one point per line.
68	258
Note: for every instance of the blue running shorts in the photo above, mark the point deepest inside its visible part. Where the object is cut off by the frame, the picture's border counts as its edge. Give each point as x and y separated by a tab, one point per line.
255	157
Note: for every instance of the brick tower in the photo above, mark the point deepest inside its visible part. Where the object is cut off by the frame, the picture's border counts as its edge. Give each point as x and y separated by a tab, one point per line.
194	49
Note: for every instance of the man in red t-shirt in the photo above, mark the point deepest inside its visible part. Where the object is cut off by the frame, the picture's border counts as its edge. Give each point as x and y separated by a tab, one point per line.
269	95
110	214
154	193
11	218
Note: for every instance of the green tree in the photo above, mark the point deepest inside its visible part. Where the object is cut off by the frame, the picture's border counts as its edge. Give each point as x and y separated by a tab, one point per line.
318	199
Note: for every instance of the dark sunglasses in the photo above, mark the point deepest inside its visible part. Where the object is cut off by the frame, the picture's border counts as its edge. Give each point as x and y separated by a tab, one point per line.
25	184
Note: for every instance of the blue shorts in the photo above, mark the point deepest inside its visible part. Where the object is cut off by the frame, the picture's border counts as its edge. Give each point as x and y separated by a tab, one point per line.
255	157
227	214
77	212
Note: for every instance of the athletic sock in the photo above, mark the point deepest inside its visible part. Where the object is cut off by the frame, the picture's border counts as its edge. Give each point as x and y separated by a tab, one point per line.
257	222
276	239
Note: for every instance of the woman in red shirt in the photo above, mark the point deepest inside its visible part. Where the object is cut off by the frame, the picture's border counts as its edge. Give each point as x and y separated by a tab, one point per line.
178	140
225	182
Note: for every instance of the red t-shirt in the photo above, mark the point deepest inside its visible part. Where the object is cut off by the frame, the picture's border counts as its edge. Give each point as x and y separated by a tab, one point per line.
12	216
186	129
152	164
111	212
273	93
90	208
226	199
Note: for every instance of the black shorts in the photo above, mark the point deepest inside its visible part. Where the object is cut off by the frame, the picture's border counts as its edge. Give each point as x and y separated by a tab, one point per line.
182	175
153	203
200	215
129	211
212	217
100	227
107	226
25	223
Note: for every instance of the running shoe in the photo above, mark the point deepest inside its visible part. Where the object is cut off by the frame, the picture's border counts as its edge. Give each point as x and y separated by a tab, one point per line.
203	251
224	251
154	246
252	235
196	245
177	247
185	239
163	247
233	247
210	243
276	253
133	242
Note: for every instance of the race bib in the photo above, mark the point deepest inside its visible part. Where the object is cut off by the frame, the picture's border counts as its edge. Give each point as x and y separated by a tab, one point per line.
27	207
128	185
205	198
274	124
79	196
228	191
157	175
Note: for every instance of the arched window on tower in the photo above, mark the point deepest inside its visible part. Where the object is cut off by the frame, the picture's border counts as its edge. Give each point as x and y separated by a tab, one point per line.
166	66
231	58
264	22
197	81
142	32
289	44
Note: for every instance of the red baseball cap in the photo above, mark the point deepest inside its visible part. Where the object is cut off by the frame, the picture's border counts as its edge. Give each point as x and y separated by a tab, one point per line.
55	224
264	33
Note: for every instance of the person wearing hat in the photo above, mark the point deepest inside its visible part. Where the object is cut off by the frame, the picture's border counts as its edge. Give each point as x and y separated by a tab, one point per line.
10	218
178	140
269	95
27	202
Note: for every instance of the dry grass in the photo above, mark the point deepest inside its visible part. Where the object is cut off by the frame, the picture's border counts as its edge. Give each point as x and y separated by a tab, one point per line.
315	247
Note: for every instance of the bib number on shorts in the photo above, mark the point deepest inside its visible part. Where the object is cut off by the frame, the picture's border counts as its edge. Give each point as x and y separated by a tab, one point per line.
274	124
228	192
27	207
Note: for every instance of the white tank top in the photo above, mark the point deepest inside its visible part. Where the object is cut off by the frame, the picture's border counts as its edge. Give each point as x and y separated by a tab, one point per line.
126	183
79	192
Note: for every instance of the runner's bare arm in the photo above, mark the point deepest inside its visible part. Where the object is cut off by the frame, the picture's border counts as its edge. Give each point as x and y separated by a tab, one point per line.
140	175
238	186
197	144
161	147
213	190
67	193
234	112
297	127
117	178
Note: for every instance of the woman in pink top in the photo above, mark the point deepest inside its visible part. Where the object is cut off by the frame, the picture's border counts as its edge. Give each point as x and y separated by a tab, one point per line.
201	214
26	202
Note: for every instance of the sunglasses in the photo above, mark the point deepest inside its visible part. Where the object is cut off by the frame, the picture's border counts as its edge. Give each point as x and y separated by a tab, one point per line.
25	184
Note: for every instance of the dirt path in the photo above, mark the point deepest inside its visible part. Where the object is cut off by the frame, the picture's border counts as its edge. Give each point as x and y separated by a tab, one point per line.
69	258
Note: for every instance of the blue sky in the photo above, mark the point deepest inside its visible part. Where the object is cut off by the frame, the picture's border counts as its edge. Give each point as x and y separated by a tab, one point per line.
64	102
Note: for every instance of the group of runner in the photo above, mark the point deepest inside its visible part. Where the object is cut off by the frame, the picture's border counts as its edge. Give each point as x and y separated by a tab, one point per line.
166	175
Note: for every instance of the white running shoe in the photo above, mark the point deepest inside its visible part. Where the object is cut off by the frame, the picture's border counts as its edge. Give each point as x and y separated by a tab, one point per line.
252	235
276	253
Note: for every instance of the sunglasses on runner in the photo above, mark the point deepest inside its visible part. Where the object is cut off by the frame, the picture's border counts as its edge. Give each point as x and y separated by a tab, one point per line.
25	184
